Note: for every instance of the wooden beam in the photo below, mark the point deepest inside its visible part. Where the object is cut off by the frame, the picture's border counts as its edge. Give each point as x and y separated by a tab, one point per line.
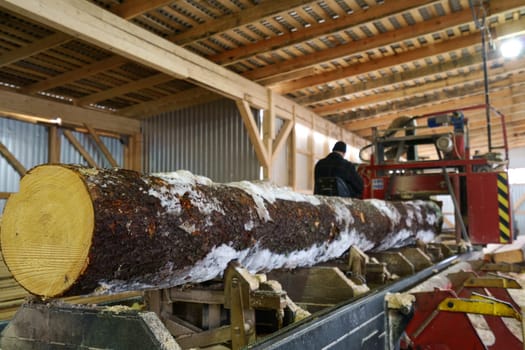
133	8
319	30
75	74
459	100
385	62
426	88
251	14
253	132
398	78
183	99
5	195
33	48
74	142
101	146
124	89
410	32
11	102
11	159
93	24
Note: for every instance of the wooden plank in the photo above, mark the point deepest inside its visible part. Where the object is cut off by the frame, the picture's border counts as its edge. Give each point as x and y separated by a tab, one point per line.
512	253
201	296
205	338
101	146
11	159
33	48
18	104
85	154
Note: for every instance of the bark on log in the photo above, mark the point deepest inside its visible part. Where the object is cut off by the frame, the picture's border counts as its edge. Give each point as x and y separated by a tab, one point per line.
70	229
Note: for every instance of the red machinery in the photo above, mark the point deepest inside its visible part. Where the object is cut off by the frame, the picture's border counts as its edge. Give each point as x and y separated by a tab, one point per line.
477	185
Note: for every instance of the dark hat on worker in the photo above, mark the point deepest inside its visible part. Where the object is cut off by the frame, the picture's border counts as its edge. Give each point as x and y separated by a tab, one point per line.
339	146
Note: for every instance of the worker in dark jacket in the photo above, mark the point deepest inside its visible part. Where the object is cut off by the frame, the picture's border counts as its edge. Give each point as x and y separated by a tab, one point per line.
336	176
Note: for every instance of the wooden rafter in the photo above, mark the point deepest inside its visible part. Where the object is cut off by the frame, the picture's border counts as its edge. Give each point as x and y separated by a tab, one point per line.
427	88
316	31
255	13
172	102
76	74
360	46
376	64
398	78
34	48
133	8
124	89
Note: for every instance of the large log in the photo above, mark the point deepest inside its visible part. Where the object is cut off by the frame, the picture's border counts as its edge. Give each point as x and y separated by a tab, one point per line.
70	229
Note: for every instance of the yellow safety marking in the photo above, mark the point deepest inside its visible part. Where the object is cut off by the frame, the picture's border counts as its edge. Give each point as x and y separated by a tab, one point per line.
503	208
503	200
503	215
492	282
481	306
504	229
503	187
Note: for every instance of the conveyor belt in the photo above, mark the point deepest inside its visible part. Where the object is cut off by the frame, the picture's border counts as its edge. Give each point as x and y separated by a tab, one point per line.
354	325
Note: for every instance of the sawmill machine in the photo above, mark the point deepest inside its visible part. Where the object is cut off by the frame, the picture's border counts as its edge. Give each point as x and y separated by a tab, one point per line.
477	184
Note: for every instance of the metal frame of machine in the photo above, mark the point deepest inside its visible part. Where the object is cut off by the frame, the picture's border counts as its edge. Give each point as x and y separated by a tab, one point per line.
478	186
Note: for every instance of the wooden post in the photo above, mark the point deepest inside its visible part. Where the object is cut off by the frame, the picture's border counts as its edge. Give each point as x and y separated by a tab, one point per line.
292	159
133	153
269	134
53	144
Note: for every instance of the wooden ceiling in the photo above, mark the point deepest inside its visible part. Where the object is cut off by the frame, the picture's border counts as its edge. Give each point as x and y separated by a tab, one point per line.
357	63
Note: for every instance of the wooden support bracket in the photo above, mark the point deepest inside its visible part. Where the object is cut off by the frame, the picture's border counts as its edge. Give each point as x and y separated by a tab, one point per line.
73	140
101	146
253	132
11	159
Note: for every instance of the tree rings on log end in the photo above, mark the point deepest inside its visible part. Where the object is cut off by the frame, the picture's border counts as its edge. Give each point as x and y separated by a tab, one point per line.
46	230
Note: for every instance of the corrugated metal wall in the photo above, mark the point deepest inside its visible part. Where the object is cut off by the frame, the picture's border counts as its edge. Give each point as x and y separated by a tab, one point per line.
208	140
29	144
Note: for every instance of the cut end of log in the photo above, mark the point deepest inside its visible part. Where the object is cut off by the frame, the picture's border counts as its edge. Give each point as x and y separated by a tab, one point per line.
52	219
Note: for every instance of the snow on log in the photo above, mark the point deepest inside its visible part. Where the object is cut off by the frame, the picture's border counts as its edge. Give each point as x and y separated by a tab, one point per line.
71	230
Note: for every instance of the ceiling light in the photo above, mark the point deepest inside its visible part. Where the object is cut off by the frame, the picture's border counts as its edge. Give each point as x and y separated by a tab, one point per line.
511	48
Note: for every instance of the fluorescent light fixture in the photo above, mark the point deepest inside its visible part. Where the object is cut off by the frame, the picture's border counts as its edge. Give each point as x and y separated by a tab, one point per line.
511	48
